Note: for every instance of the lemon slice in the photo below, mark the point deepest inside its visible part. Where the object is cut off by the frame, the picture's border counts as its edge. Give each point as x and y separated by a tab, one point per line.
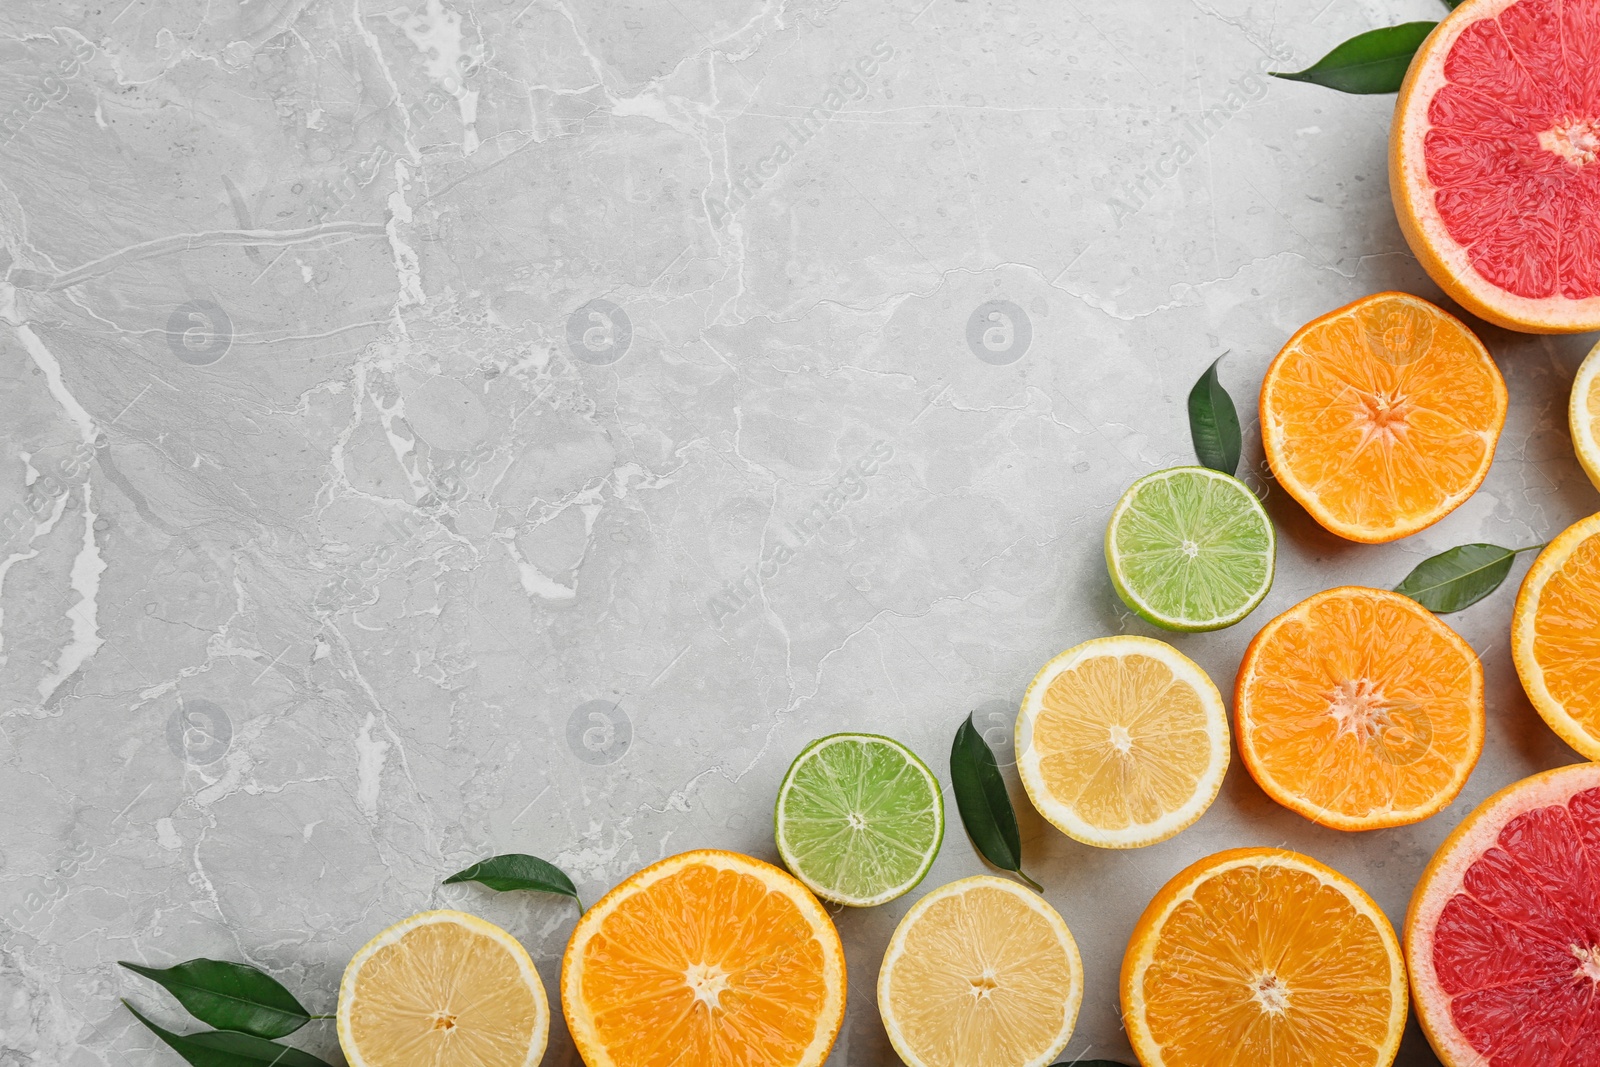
980	973
1585	415
1122	742
442	989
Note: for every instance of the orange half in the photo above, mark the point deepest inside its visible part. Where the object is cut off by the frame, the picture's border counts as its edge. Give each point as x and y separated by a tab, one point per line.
1381	418
1359	709
1555	636
707	958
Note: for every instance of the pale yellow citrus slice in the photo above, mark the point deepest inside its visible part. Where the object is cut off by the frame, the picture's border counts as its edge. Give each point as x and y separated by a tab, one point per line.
1584	415
980	973
442	989
1122	742
1555	635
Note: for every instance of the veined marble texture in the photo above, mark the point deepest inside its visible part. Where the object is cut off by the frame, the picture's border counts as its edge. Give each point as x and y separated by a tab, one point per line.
436	428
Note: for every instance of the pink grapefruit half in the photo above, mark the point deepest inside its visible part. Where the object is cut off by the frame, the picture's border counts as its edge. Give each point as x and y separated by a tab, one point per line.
1494	161
1503	934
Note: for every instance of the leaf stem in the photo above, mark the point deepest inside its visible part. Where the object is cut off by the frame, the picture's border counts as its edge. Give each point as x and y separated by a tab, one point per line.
1035	886
1530	548
335	1016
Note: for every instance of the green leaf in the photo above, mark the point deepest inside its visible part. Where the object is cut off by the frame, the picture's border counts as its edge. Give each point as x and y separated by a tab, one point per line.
1453	4
230	996
984	804
1460	577
229	1048
1371	62
516	871
1214	423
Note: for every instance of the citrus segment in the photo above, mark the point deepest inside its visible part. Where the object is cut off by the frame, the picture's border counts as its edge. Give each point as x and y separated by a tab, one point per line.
1584	415
859	819
1382	417
442	989
1494	161
1122	742
1190	549
980	973
1358	709
1555	635
1259	957
1503	935
710	958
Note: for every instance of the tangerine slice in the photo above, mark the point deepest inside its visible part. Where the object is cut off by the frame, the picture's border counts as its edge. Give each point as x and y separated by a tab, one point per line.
1260	957
1358	709
1382	417
1503	932
1555	635
707	958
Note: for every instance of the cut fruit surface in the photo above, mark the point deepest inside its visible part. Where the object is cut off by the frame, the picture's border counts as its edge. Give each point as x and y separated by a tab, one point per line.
1190	549
1359	709
1503	932
980	973
442	989
1122	742
708	958
1584	415
1494	161
859	819
1555	635
1259	957
1382	417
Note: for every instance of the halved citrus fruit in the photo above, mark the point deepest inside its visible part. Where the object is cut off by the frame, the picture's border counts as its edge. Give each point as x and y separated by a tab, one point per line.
1122	742
1584	415
1494	161
980	973
1382	417
442	989
1503	932
707	957
1265	958
1555	635
1358	709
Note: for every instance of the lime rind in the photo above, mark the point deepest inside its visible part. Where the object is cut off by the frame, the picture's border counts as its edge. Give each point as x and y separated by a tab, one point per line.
1190	549
859	819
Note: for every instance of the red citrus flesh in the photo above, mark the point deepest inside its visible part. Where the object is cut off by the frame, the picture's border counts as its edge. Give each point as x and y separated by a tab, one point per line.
1497	165
1503	938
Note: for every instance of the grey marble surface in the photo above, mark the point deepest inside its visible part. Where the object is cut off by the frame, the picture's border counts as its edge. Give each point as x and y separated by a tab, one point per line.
442	427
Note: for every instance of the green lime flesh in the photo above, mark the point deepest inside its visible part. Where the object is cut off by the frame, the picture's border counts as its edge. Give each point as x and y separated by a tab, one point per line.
859	819
1190	549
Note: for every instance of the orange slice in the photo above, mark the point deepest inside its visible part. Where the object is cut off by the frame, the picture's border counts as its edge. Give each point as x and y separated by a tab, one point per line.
442	989
1358	708
707	958
1555	636
1258	957
1382	417
1583	414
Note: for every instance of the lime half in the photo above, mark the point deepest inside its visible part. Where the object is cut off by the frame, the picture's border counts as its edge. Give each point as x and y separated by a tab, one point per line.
859	818
1190	549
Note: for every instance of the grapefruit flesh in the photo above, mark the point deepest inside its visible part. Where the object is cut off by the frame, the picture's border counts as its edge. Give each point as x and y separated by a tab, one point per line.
1503	936
1495	161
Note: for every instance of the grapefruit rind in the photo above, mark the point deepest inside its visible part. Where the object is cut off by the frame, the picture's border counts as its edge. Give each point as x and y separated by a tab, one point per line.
1065	817
1583	414
1446	261
1147	931
831	1018
1443	878
1524	618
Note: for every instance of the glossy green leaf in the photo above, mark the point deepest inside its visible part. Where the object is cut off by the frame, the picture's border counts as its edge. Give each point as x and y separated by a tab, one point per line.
1214	423
517	871
230	996
1371	62
1453	4
1459	577
984	803
229	1048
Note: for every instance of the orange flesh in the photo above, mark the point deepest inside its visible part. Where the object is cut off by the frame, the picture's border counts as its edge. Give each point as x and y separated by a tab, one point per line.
1268	966
1382	416
1362	706
1566	642
705	966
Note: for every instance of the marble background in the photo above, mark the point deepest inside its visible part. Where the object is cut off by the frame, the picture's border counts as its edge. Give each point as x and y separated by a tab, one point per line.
431	429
